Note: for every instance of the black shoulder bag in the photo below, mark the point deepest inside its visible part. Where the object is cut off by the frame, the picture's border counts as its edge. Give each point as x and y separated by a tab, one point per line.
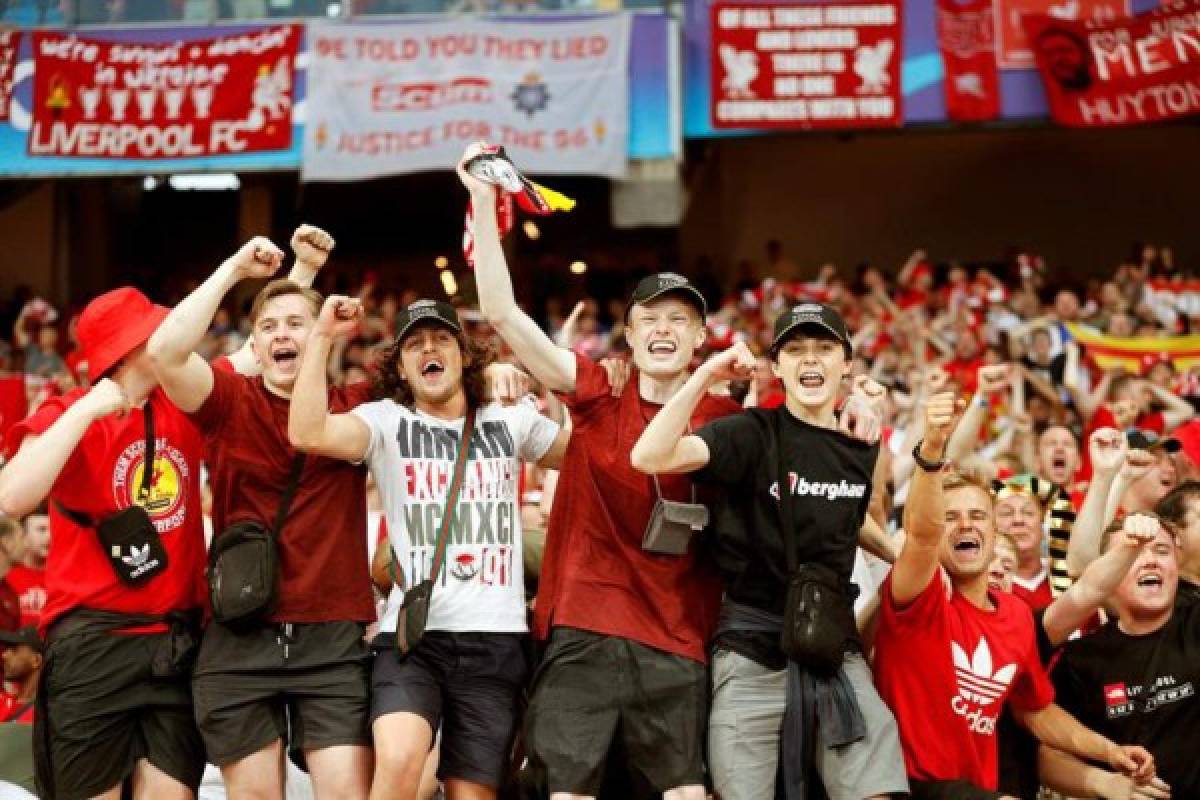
129	538
243	564
817	614
414	614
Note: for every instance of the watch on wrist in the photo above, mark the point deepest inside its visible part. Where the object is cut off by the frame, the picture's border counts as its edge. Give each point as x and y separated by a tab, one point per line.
928	466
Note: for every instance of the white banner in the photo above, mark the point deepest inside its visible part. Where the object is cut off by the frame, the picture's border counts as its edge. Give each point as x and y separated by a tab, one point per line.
406	97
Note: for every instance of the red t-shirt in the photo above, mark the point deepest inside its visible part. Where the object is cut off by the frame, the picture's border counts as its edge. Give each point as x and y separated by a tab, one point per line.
595	574
323	565
1103	418
14	402
946	669
100	478
1037	598
13	710
30	587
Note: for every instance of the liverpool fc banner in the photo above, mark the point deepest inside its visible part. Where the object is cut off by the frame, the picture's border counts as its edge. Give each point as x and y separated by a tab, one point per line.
172	99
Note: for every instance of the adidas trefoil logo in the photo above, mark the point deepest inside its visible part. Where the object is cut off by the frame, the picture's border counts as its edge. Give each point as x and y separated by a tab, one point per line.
979	685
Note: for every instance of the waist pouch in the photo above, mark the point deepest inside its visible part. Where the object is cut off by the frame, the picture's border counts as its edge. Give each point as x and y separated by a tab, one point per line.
818	619
130	542
243	575
671	526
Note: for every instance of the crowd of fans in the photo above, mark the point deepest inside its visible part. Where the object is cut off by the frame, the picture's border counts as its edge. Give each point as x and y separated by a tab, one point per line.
1082	462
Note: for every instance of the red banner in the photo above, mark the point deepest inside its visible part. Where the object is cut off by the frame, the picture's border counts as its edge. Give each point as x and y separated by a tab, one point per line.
1012	45
176	99
10	40
831	65
967	40
1131	71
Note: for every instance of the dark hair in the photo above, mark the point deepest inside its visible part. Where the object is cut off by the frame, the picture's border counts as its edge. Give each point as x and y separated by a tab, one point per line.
477	356
1173	507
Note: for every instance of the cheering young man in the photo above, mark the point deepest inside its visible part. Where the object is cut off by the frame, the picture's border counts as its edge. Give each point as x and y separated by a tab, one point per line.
302	669
107	641
607	606
950	653
757	690
466	674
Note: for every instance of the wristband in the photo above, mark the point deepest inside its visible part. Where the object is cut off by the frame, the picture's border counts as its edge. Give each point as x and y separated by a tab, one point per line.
981	400
927	466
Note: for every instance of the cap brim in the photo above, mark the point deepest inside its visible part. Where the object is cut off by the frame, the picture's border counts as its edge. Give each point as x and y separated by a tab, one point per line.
786	332
692	294
431	319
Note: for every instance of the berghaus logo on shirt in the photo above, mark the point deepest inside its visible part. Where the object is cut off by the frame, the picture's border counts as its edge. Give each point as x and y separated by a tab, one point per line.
979	686
802	487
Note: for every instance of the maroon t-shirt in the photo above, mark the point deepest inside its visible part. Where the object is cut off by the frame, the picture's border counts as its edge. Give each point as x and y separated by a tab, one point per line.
595	575
323	546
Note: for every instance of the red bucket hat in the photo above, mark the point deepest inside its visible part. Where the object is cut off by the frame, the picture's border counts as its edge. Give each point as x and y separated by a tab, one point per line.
114	325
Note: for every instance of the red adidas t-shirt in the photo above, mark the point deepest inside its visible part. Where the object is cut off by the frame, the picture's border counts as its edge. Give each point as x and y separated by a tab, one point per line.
323	547
595	575
946	669
30	587
100	478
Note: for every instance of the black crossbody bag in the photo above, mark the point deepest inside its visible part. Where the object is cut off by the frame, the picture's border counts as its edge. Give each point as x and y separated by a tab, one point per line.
818	614
129	538
414	613
243	564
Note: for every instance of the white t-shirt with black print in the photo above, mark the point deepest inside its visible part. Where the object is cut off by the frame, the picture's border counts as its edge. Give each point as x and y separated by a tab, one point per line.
482	585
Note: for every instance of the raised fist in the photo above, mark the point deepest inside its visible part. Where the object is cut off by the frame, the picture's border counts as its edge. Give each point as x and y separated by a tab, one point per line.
1107	449
735	363
340	316
106	397
994	378
1140	529
941	414
257	258
312	246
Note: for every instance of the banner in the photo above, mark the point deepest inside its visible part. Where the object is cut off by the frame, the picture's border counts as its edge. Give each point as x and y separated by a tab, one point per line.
1131	71
1133	353
1170	299
966	37
104	99
390	99
10	41
805	66
1012	45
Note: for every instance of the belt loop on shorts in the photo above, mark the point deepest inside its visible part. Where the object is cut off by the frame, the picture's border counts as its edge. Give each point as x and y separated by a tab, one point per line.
285	637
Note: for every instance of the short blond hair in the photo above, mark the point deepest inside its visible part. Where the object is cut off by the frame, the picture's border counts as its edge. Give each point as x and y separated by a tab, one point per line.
281	288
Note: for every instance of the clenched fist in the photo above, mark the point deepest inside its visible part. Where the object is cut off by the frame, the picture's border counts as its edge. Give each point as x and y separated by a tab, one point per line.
340	316
941	414
257	258
106	397
312	246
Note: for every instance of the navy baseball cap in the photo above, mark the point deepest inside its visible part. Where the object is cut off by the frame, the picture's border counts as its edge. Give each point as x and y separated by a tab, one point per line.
811	315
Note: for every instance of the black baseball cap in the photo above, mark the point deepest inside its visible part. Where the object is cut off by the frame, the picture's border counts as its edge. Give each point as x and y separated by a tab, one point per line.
655	286
26	636
426	311
1140	439
812	315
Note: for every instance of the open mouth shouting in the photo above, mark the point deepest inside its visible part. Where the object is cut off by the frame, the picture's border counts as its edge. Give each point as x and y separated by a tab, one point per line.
285	356
661	347
811	380
1151	583
432	369
968	545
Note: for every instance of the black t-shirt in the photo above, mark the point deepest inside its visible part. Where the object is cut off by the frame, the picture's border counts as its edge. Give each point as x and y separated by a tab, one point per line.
1104	680
1187	594
830	478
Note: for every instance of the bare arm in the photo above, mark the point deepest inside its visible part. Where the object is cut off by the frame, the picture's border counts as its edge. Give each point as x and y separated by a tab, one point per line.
1055	727
1107	450
1177	410
665	447
924	513
186	377
873	539
1072	609
552	365
554	456
26	480
1070	776
311	428
311	246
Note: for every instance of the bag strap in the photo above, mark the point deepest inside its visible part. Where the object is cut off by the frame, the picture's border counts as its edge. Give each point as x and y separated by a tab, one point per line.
289	492
451	508
787	518
16	713
86	520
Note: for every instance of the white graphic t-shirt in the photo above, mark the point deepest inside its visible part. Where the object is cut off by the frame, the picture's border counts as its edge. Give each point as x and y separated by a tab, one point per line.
482	584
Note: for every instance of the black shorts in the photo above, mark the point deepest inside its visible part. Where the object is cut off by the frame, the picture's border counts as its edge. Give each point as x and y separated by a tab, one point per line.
469	683
949	790
106	709
249	686
589	686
